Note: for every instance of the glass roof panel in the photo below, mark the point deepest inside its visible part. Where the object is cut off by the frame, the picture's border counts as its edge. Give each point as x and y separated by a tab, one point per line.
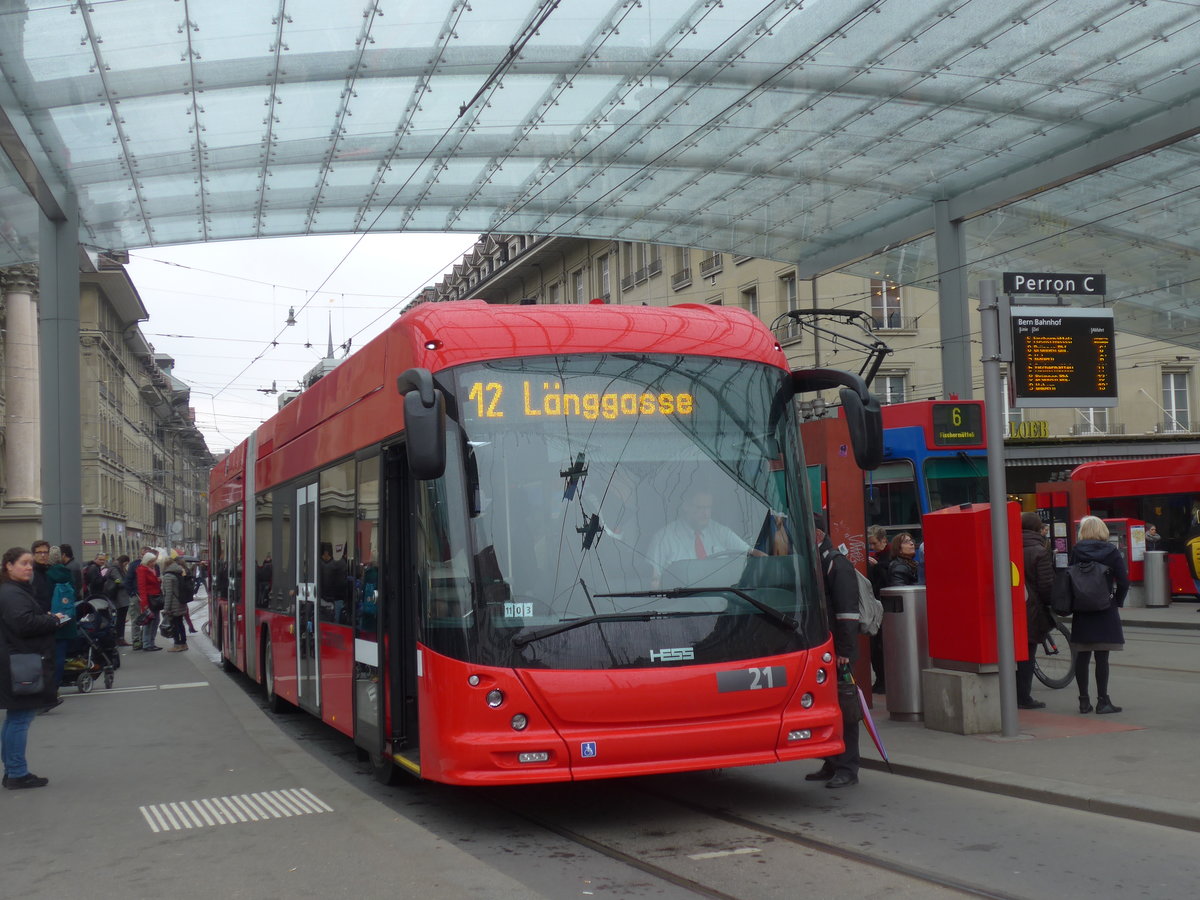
821	130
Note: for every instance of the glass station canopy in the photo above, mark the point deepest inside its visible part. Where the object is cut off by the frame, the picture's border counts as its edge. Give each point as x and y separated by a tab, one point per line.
815	132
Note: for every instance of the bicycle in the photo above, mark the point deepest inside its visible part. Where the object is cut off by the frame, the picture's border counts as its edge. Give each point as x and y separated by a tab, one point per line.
1054	665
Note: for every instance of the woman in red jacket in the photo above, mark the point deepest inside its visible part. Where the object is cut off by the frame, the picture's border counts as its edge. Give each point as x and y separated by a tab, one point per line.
149	591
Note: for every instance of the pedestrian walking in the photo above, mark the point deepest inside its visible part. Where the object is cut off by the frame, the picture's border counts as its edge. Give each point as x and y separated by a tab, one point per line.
878	560
175	600
902	570
1039	581
841	597
149	600
1098	632
62	602
24	629
117	591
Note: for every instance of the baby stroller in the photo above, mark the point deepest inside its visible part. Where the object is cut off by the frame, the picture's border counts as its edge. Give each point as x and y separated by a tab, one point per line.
94	652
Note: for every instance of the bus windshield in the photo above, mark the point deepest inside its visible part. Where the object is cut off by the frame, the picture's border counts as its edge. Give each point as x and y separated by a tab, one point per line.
626	511
954	481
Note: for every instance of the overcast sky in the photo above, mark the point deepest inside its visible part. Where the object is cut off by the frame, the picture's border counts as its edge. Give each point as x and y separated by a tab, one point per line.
216	308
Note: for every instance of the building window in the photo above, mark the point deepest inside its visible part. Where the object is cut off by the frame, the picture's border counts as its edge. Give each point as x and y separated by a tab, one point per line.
681	277
577	286
552	293
1175	401
1092	420
885	304
890	388
750	300
605	276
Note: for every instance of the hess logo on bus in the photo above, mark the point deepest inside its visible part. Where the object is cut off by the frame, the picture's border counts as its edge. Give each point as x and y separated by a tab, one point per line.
672	654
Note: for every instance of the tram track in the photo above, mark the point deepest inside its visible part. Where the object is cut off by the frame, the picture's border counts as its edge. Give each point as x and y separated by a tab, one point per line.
752	828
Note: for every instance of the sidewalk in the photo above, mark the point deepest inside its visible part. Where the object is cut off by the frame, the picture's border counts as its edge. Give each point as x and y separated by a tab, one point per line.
1138	764
175	782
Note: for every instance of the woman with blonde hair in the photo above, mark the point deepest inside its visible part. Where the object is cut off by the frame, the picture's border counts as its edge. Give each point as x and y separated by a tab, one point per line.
1098	632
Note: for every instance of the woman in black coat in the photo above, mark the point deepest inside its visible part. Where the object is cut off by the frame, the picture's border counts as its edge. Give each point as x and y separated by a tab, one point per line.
902	568
1098	632
24	628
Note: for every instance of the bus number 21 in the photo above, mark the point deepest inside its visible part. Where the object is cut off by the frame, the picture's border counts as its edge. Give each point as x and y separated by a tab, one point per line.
761	678
487	397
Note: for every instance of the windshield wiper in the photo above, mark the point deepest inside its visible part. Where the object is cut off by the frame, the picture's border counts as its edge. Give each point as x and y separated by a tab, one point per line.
521	640
783	620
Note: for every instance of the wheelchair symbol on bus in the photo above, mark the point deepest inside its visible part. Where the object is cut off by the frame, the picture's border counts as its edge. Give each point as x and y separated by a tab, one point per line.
587	749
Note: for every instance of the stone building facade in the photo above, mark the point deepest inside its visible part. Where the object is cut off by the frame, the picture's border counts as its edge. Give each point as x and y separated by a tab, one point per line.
144	463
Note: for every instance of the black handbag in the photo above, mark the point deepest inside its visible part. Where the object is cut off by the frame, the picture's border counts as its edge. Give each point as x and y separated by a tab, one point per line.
27	675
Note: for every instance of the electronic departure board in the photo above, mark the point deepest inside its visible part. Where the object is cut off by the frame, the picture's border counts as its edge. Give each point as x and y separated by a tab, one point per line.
1063	357
957	425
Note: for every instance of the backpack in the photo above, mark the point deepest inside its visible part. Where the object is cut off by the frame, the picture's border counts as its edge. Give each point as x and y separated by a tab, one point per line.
870	610
187	588
63	599
1091	586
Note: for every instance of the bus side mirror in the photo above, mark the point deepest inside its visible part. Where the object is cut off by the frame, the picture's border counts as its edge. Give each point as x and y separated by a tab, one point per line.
424	423
859	407
865	422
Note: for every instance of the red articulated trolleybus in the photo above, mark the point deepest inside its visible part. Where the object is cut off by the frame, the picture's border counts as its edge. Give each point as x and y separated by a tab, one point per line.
1164	492
470	546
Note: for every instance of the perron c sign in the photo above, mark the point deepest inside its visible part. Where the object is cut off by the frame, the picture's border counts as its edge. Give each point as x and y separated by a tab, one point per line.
1053	284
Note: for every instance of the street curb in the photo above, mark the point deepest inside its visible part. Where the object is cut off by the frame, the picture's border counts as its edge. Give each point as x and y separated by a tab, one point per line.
1152	623
1153	811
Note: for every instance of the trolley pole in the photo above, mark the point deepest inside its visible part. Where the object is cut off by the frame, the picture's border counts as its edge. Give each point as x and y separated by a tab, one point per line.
992	330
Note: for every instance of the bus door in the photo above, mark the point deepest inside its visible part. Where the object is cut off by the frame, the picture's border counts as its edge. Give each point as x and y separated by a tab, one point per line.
308	671
398	616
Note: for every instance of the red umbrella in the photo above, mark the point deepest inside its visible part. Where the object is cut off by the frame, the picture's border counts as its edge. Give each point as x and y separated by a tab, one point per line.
871	729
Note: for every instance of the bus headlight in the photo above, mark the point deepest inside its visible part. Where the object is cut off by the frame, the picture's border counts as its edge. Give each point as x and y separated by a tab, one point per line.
826	657
806	700
495	697
822	676
520	722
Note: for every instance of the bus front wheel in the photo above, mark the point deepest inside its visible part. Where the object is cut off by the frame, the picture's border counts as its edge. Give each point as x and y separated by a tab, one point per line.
275	703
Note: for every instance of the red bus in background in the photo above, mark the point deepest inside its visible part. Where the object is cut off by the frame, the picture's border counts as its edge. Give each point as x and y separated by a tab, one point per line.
457	547
1164	492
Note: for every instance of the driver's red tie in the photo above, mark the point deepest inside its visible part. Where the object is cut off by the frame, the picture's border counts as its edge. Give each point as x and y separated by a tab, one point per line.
700	554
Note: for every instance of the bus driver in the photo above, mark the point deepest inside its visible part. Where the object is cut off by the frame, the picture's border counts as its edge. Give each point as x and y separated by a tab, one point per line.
693	535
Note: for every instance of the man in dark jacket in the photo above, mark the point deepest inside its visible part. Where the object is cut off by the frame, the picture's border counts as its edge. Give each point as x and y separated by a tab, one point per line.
841	598
94	574
73	566
43	590
878	560
1039	581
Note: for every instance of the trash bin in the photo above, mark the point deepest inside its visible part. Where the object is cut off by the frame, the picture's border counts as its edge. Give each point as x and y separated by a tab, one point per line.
905	650
1158	592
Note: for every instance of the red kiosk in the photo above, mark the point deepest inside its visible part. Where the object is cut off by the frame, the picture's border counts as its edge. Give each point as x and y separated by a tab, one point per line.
959	592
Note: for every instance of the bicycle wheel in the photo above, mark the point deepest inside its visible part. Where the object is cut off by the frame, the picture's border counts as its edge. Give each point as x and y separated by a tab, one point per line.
1054	663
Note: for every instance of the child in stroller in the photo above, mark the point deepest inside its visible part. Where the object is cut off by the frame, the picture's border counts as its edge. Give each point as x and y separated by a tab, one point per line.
94	652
